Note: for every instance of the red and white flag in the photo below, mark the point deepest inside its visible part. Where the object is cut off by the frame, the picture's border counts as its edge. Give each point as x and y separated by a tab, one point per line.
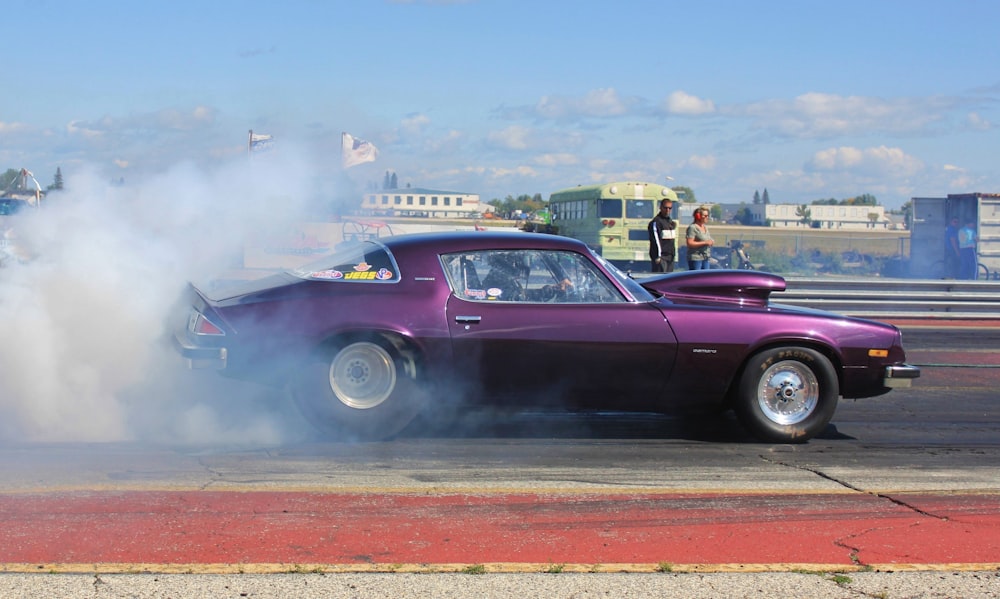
357	151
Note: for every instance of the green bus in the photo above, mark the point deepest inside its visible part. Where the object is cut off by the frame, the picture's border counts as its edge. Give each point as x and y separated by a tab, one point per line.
611	218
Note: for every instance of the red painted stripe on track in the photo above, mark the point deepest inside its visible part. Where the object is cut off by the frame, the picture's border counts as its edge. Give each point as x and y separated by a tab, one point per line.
199	527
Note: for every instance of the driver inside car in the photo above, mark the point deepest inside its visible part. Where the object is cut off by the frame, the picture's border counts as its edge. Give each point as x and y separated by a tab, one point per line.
558	289
552	291
503	282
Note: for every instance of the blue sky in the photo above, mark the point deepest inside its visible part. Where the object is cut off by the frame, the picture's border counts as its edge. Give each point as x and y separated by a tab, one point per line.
809	100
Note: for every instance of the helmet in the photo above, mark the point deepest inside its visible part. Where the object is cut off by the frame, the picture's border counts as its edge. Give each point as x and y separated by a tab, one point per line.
511	262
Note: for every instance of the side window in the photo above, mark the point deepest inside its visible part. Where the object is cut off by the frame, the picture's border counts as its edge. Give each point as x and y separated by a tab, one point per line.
362	262
528	276
465	273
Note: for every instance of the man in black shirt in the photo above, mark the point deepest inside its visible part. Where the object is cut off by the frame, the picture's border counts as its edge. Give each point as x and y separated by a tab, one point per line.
663	238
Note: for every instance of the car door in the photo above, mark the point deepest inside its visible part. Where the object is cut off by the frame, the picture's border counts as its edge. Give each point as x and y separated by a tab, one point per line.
591	347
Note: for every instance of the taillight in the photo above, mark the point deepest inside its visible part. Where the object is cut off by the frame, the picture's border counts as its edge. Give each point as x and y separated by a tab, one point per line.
199	325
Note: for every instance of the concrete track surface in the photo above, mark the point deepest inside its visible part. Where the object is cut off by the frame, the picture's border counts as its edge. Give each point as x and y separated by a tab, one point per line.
900	500
565	585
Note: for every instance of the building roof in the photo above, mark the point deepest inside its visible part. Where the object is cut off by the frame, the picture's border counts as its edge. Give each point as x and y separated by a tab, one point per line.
421	190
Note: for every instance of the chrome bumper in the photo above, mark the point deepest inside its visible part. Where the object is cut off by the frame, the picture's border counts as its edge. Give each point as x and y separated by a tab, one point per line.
201	357
900	375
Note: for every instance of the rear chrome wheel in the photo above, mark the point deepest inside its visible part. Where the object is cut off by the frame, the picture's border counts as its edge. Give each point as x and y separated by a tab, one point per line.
363	389
787	394
362	375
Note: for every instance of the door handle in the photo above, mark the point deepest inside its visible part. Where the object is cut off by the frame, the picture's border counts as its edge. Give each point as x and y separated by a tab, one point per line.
468	319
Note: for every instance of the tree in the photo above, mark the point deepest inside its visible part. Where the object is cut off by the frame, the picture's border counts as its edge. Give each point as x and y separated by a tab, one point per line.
57	181
524	202
390	181
804	214
684	193
865	199
7	178
756	197
873	216
743	215
907	211
766	198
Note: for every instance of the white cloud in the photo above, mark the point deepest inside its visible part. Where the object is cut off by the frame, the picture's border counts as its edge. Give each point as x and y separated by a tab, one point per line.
83	129
604	102
875	160
704	163
976	121
415	123
825	115
683	103
557	159
518	171
12	128
169	119
514	137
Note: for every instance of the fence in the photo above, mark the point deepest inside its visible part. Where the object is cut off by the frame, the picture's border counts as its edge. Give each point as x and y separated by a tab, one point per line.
895	298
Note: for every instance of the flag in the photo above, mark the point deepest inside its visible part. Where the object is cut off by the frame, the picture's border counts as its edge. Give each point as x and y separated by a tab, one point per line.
357	151
260	142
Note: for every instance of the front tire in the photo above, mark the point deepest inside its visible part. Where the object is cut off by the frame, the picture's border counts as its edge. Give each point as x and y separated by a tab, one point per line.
362	390
787	394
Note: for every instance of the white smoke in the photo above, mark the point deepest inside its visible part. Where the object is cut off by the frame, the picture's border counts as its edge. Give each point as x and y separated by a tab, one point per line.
83	318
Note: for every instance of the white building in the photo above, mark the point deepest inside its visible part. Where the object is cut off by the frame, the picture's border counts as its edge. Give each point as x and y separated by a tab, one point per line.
417	201
820	216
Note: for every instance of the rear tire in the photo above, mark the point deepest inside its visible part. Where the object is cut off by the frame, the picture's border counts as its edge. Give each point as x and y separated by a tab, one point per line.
787	394
362	390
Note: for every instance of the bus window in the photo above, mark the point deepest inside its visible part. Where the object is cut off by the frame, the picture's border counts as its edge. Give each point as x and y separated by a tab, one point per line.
610	209
639	209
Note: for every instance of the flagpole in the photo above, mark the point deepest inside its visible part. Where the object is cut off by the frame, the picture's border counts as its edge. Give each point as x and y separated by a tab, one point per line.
343	135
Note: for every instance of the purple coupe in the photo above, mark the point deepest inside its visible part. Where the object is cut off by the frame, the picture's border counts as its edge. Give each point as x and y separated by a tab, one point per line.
371	335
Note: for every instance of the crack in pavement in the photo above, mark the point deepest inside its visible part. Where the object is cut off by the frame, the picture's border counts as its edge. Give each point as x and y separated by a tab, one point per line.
844	542
848	485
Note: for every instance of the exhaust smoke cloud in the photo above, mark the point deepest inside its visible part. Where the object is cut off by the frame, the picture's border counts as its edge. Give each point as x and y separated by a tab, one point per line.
83	320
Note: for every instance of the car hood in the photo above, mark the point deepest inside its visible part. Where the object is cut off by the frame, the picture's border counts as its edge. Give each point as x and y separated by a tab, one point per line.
740	287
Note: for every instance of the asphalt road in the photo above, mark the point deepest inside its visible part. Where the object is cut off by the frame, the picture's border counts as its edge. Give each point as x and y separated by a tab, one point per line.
911	451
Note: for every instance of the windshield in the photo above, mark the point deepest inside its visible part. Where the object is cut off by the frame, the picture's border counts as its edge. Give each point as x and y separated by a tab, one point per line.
640	293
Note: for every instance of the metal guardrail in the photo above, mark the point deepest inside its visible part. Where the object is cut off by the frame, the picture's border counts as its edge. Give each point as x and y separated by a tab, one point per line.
895	298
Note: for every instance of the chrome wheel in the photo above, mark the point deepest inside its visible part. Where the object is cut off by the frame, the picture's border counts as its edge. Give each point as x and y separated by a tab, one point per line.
362	375
788	392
